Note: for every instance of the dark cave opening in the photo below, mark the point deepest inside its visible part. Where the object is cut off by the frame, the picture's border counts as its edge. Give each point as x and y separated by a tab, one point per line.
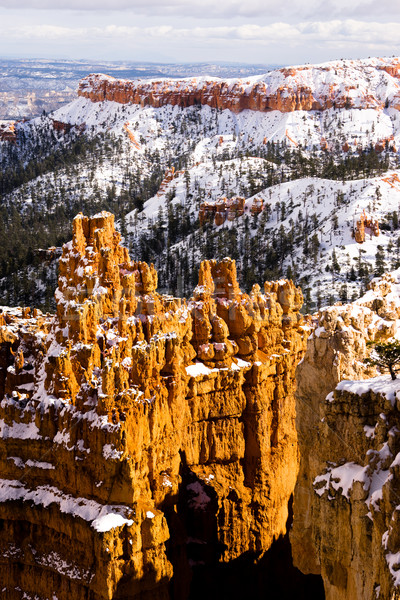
194	552
271	577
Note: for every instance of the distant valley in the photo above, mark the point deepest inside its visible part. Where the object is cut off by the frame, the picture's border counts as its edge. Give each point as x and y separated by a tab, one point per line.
285	172
30	86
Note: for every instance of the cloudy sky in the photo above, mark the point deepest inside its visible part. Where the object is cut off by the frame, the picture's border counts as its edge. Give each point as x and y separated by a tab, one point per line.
252	31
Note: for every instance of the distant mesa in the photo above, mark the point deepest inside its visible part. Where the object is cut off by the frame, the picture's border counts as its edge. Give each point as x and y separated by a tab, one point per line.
369	83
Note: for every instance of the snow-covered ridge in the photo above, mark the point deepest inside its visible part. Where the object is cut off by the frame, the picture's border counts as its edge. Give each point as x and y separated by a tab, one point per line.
367	83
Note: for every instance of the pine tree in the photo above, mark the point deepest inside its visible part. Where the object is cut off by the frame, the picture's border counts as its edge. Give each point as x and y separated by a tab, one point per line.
335	263
380	265
386	356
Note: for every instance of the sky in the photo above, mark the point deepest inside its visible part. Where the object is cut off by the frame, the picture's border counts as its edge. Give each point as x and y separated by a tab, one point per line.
248	31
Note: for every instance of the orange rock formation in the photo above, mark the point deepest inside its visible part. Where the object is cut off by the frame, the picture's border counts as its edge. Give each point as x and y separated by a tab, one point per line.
311	87
257	206
215	94
221	210
7	131
169	176
60	126
365	225
130	419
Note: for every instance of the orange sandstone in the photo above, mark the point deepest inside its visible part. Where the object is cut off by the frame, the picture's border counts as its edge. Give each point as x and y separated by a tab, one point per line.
132	419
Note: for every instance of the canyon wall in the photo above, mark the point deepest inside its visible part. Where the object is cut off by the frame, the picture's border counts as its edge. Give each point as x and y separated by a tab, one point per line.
370	83
347	495
143	435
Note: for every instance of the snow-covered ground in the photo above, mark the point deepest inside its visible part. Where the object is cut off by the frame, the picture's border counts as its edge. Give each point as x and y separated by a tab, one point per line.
221	154
153	127
330	208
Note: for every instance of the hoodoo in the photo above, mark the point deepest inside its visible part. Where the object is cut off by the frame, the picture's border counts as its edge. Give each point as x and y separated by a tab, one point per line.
143	435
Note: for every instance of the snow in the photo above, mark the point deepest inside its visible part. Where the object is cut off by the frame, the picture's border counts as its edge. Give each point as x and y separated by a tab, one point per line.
378	385
369	431
374	476
166	481
20	431
339	478
111	453
378	479
329	71
80	444
159	129
101	517
313	196
198	369
300	125
63	438
219	346
110	521
30	464
393	561
99	421
243	364
55	561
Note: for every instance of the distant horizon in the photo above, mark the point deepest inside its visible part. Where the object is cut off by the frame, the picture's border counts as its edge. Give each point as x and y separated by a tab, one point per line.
233	63
136	62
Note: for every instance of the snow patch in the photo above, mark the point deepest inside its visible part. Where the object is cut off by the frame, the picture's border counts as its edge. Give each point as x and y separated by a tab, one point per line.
101	517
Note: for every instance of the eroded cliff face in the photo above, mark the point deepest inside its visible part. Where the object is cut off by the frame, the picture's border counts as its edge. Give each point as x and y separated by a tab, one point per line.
370	83
348	492
135	427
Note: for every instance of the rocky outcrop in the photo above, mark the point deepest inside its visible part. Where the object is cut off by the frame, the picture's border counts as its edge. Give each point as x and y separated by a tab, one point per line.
135	427
60	126
225	209
369	83
345	504
8	132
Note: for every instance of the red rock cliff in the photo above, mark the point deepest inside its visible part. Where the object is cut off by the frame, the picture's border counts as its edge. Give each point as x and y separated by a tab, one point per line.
371	83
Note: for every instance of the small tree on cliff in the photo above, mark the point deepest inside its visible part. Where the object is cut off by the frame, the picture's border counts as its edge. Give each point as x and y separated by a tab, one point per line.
385	355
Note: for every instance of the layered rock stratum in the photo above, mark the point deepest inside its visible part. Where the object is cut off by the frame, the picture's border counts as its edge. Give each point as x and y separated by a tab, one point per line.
369	83
142	434
347	498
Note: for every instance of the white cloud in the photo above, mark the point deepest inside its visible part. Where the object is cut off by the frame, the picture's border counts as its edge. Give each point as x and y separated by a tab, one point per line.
127	36
330	32
209	9
206	8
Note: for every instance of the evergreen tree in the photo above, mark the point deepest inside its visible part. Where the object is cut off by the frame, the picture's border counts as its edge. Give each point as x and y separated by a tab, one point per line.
386	356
